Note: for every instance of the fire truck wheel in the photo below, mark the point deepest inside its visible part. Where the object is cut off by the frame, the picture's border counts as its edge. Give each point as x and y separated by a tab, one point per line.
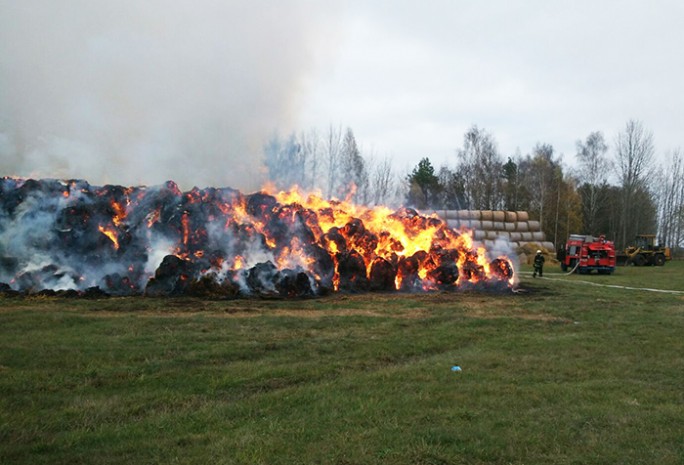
659	260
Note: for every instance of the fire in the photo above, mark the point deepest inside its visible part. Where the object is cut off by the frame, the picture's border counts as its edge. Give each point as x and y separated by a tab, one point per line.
111	234
286	243
153	217
185	222
119	213
380	233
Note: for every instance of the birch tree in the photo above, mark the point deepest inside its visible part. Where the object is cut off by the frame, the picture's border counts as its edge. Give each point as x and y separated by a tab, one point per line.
634	151
333	147
381	182
480	167
671	202
593	176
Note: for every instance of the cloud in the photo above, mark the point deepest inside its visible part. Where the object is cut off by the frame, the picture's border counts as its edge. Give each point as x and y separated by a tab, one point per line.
527	72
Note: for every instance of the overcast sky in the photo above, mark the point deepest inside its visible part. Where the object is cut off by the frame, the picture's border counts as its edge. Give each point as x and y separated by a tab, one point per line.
411	77
134	92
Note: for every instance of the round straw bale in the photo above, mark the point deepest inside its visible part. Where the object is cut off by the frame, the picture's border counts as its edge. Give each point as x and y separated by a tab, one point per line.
499	216
511	217
454	224
488	244
530	247
463	214
516	236
486	215
509	226
479	235
487	225
527	236
549	246
534	225
448	214
522	216
475	214
499	225
491	235
503	235
476	224
538	236
522	226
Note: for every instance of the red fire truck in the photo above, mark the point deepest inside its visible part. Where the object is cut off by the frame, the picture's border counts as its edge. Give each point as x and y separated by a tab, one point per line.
584	254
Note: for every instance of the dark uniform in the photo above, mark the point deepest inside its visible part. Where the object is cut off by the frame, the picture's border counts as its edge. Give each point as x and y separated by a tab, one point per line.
538	264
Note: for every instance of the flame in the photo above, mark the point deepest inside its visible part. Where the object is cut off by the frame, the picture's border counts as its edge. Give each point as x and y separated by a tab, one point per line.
119	213
394	237
337	244
111	234
153	217
185	222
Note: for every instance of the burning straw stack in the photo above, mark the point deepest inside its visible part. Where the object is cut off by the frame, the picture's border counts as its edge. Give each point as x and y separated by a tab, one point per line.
491	225
71	236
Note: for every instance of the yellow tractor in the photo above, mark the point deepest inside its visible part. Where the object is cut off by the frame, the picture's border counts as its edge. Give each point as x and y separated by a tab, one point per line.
645	252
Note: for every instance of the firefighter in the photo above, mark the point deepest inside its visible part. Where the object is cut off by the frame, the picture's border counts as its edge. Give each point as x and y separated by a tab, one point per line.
538	264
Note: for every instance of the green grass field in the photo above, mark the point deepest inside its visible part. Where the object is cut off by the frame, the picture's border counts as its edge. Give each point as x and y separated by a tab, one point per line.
564	372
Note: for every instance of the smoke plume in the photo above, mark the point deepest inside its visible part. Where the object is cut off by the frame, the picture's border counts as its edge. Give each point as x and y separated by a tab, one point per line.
132	92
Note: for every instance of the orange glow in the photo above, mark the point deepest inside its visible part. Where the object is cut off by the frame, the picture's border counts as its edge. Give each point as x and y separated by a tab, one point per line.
153	217
336	243
111	234
119	213
383	233
185	223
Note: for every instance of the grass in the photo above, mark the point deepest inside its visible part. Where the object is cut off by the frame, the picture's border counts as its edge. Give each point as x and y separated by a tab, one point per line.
563	373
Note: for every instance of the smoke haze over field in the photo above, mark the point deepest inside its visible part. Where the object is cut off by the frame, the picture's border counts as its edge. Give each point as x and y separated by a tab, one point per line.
132	92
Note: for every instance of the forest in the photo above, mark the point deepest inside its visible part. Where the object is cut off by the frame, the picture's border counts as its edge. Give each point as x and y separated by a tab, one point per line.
617	188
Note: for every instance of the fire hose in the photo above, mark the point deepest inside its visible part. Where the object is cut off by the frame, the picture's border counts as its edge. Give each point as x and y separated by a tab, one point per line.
573	270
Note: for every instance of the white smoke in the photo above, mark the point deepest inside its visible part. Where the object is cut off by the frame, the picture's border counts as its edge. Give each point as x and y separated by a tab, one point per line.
138	92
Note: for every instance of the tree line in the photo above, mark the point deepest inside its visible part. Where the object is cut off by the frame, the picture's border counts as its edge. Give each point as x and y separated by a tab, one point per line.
615	189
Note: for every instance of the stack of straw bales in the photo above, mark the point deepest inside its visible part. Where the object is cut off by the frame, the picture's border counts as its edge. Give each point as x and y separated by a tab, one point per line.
490	225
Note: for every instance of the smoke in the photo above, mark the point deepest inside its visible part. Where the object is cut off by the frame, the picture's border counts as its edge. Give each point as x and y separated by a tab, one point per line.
131	92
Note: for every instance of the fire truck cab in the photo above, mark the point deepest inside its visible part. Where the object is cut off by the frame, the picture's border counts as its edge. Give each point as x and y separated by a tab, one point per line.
584	254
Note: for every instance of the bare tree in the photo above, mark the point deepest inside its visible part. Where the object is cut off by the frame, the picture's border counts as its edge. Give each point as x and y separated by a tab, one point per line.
593	174
285	161
540	175
480	168
634	165
382	181
310	144
671	201
354	177
451	191
333	148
